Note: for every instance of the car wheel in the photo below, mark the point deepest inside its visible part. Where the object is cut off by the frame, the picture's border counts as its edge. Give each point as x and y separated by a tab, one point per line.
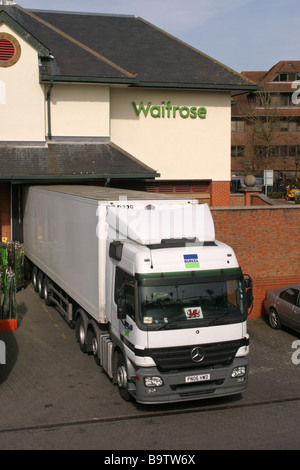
274	320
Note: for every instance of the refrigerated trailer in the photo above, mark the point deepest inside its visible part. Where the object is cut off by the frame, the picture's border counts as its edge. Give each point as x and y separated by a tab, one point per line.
152	295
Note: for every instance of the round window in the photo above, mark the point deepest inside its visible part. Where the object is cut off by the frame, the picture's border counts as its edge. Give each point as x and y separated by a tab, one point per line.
10	50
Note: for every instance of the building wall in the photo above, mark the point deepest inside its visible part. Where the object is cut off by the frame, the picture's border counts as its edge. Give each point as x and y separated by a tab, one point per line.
80	110
180	147
265	241
22	102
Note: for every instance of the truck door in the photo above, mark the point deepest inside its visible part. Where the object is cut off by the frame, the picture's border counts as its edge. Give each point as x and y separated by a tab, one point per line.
125	287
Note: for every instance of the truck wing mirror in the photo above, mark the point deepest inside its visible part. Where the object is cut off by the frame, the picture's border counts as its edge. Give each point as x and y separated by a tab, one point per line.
249	291
121	304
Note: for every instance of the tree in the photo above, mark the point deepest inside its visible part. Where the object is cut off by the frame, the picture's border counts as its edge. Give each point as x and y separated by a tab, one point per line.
267	127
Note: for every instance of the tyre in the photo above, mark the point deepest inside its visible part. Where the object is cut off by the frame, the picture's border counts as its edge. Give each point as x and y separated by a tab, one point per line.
35	273
92	344
46	291
80	333
274	320
40	284
122	378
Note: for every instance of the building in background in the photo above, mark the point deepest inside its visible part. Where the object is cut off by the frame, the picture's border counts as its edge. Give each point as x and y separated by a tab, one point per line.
265	124
110	100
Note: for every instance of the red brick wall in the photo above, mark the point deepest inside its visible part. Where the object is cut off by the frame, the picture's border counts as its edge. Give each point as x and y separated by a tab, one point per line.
265	240
220	193
237	199
5	225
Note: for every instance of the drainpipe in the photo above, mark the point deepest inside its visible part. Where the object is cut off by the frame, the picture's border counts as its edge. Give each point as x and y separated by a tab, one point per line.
49	135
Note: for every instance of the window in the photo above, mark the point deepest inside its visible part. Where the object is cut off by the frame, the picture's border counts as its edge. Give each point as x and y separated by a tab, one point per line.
274	100
260	151
287	77
288	126
126	283
237	151
290	295
237	126
177	303
277	151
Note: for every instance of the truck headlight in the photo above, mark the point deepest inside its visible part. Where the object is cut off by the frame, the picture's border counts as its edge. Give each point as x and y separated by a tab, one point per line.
238	372
153	381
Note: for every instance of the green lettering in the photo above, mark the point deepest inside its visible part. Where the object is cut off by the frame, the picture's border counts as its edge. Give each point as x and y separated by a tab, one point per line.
193	112
174	111
155	111
184	112
141	108
168	108
202	113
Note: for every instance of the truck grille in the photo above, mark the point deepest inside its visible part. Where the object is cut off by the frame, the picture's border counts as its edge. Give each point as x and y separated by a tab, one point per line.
215	354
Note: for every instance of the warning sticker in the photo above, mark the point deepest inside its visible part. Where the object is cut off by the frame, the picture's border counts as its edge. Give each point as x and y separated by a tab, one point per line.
191	261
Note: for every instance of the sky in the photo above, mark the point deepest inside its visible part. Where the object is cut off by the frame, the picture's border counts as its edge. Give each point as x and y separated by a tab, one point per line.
245	35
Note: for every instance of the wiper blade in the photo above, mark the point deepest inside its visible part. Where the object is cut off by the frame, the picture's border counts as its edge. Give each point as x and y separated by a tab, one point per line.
224	314
171	323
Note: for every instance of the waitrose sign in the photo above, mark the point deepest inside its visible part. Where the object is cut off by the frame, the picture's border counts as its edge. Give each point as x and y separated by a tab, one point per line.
167	110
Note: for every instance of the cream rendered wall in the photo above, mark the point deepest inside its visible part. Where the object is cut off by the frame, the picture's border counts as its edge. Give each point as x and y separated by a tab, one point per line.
80	110
22	100
177	148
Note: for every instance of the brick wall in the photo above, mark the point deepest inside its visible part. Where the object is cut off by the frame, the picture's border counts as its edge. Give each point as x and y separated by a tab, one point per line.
265	240
237	199
5	224
220	193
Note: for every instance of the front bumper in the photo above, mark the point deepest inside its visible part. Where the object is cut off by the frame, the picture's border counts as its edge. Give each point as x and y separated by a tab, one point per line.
175	389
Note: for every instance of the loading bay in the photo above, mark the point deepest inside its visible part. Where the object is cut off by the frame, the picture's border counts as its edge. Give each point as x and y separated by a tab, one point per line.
55	397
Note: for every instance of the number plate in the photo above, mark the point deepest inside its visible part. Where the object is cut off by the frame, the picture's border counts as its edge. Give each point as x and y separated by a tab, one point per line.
197	378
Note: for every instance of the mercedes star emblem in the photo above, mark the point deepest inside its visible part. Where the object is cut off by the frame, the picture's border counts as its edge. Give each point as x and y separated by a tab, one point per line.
197	354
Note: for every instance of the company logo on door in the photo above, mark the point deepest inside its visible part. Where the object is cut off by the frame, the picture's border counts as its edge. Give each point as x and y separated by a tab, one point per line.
169	111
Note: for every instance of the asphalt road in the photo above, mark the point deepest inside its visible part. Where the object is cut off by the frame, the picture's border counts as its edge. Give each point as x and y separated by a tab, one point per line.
52	396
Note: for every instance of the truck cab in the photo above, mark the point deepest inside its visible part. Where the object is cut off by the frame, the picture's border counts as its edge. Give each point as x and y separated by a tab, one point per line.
178	320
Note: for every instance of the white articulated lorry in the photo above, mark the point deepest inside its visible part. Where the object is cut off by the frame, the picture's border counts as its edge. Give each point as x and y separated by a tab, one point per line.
159	302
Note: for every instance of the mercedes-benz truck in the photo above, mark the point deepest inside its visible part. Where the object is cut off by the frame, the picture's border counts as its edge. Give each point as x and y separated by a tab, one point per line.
152	295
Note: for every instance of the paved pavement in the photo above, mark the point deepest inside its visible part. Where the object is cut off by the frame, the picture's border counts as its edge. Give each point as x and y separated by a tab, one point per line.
47	381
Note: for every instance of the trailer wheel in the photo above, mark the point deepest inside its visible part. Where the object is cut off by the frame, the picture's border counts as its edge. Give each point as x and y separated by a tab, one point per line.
35	272
46	291
40	282
80	333
122	378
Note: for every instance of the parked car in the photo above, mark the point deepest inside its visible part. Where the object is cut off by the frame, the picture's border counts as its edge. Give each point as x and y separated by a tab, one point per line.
283	307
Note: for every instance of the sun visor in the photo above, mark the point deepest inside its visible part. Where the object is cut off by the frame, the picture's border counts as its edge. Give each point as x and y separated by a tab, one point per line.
152	226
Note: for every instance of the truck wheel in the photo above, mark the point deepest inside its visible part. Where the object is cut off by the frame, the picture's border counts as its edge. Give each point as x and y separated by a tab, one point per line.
40	282
80	333
46	290
274	320
35	272
93	344
122	378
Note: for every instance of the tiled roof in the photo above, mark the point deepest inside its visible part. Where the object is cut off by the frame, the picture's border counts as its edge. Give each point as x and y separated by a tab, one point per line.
74	161
119	48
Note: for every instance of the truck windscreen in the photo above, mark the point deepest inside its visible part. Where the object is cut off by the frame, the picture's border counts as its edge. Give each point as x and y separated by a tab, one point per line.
175	304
